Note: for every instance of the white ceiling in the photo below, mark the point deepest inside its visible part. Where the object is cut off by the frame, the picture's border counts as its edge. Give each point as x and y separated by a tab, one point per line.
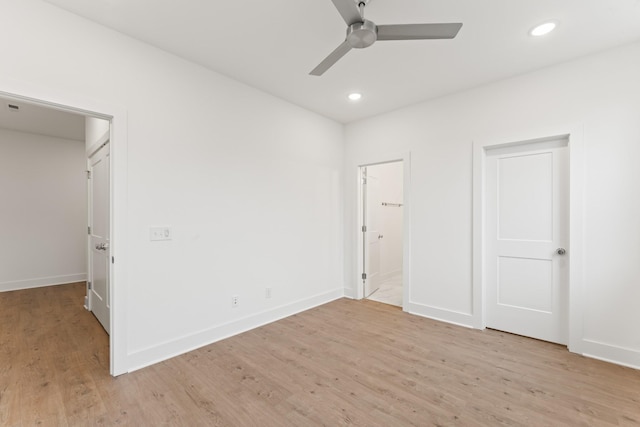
272	45
42	120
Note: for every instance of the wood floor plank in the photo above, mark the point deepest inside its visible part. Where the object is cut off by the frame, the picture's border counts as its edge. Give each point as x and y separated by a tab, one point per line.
347	363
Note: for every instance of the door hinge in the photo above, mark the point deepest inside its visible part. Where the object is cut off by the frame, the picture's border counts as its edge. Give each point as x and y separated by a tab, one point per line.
364	228
88	174
88	230
113	260
89	285
364	276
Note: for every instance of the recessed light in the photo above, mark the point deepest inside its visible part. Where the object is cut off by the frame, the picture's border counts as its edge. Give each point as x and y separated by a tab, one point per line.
355	96
543	29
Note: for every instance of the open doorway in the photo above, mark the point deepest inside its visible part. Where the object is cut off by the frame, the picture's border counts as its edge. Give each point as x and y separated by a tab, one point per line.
48	219
382	226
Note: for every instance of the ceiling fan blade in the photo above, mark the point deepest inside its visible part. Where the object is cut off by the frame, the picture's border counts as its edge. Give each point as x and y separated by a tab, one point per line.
418	31
349	11
333	57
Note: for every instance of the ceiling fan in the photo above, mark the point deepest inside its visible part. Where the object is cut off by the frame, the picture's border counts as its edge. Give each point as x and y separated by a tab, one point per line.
362	33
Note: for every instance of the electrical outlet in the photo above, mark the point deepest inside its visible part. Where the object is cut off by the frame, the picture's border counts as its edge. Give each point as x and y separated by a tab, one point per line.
267	293
235	301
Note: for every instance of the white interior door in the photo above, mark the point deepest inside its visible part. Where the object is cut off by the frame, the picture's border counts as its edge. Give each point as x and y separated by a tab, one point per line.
371	232
527	233
99	232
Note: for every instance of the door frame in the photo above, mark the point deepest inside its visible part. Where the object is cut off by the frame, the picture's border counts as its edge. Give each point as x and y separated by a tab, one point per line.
574	134
405	158
117	115
365	255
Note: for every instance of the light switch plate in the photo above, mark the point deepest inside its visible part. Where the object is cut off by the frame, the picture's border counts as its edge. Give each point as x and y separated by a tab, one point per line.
160	233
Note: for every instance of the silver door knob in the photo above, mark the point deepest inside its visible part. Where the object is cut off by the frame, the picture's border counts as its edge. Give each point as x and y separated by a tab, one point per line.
561	251
380	236
102	246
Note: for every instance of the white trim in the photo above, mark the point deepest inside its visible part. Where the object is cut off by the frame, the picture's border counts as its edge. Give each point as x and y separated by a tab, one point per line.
405	158
358	284
119	242
187	343
611	353
350	293
576	239
406	232
441	314
477	269
42	282
89	193
76	103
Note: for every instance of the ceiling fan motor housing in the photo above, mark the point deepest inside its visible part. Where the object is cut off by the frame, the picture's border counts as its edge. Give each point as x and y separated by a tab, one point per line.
362	34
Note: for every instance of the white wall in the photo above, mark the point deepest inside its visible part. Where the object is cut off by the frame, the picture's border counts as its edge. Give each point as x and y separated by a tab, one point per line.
250	184
599	93
94	129
390	176
43	205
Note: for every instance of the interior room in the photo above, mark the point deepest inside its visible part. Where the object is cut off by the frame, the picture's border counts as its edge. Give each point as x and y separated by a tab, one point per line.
192	209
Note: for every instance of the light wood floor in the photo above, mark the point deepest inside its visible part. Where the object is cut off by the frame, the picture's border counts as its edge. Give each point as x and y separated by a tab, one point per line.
349	362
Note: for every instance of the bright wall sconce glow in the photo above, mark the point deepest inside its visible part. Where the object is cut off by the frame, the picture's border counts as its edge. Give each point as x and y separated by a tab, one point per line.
543	29
355	96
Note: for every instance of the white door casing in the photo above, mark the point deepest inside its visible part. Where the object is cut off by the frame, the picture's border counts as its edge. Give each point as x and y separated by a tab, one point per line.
80	103
371	232
99	237
527	223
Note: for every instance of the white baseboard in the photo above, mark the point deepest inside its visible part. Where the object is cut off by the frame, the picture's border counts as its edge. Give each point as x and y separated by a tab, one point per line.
611	353
443	315
350	293
41	282
167	350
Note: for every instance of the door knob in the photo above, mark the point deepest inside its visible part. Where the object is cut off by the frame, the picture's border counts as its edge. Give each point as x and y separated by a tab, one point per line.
102	246
561	251
380	236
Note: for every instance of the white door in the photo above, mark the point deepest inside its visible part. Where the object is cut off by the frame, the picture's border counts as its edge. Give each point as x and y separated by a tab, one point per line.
371	233
527	233
99	232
